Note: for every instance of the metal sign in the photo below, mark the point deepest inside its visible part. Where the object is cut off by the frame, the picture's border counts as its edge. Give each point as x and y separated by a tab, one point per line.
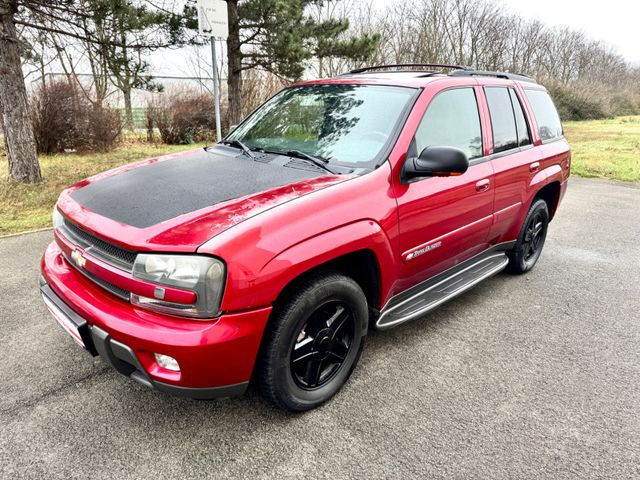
213	20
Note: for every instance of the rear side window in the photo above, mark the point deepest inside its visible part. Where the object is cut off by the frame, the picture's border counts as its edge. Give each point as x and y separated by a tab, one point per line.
549	125
503	123
452	120
524	138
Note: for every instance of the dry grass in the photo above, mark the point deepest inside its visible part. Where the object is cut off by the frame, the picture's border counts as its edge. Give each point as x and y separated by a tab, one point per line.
28	207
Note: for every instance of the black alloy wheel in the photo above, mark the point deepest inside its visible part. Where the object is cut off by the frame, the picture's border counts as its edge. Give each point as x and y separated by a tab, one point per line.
313	341
526	252
534	235
322	345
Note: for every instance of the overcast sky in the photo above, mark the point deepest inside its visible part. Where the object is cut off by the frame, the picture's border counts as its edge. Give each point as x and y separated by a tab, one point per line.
616	22
613	21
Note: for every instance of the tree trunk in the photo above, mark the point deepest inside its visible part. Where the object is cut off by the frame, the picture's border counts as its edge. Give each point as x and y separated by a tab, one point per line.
19	141
128	110
234	65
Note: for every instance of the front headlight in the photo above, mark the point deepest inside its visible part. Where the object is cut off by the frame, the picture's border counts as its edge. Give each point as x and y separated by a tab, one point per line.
203	275
56	218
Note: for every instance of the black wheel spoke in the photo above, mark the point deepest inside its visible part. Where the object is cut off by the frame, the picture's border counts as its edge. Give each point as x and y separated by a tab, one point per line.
314	370
302	351
527	250
322	344
316	323
338	320
537	229
528	236
339	350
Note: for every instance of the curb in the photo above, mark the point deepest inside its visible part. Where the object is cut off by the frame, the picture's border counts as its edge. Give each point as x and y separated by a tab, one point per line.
37	230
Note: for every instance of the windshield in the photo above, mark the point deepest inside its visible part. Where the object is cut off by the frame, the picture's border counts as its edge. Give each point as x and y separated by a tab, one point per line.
347	124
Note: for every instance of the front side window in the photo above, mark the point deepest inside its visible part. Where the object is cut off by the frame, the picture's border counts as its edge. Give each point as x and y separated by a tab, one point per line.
452	120
344	124
547	117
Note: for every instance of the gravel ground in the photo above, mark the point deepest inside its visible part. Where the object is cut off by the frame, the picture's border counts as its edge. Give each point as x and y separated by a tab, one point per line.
522	377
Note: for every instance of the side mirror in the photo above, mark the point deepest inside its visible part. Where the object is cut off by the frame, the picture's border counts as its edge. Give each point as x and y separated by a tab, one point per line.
436	162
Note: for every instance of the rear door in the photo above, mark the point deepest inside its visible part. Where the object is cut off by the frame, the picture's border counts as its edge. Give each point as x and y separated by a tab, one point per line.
515	160
445	220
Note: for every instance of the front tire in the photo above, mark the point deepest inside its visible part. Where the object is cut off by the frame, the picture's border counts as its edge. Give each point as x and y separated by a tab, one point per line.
526	252
313	342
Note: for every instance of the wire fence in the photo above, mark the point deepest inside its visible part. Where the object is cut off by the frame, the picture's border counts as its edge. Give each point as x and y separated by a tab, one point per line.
141	99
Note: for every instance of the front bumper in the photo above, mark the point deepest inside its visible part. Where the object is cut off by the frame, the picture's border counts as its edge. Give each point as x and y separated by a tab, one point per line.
216	357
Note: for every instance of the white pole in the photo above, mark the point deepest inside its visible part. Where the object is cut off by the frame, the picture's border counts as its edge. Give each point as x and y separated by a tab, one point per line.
216	89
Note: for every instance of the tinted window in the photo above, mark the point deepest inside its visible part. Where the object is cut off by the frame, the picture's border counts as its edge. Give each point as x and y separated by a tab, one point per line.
546	114
452	120
524	138
348	124
503	123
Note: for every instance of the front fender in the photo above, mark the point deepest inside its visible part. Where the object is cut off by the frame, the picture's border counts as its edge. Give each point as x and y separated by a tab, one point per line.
262	283
320	249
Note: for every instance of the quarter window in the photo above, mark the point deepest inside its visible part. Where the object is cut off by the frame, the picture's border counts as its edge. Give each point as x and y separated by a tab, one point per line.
452	120
503	123
546	114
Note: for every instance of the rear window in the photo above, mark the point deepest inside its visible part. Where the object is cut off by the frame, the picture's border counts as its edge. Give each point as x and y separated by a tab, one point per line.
549	125
503	122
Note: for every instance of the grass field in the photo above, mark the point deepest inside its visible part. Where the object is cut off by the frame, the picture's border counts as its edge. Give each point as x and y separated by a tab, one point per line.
605	148
601	148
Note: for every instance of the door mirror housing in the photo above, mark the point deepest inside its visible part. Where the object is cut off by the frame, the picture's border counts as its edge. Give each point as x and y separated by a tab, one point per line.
436	162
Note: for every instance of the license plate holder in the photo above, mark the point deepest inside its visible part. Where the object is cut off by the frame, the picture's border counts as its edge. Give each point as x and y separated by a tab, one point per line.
75	326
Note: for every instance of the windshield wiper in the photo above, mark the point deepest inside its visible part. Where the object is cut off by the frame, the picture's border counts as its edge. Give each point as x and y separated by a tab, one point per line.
318	161
238	144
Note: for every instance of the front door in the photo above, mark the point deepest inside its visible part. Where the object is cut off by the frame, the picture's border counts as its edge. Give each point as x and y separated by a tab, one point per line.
445	220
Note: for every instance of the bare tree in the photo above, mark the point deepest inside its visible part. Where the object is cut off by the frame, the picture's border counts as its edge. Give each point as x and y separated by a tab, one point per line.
19	141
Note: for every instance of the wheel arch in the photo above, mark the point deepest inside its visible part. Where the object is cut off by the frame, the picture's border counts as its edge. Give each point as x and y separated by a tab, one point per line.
359	249
550	193
361	265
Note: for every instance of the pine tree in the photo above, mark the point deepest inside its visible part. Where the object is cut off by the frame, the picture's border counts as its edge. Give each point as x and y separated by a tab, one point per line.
279	37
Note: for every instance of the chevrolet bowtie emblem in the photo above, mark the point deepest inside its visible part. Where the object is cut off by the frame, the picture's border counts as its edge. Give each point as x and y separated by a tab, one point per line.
77	257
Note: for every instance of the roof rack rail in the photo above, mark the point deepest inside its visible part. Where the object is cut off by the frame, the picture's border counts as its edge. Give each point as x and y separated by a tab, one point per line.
405	65
467	72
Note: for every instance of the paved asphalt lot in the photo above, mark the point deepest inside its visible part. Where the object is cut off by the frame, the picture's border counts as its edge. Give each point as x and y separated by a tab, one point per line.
522	377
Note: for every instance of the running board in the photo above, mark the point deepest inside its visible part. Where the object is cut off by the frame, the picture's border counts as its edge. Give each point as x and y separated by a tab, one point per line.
437	291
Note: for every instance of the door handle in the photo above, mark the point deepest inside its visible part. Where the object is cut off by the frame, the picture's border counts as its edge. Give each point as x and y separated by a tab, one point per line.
482	185
534	167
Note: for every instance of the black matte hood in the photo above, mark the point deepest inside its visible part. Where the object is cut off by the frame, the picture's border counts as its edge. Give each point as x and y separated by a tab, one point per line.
156	192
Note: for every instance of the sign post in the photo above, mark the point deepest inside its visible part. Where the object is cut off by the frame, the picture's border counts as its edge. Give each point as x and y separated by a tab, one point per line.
213	22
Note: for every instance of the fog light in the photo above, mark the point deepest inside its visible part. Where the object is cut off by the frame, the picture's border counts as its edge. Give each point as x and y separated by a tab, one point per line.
165	361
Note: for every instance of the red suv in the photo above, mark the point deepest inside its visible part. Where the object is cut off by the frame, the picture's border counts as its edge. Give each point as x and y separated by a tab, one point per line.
360	201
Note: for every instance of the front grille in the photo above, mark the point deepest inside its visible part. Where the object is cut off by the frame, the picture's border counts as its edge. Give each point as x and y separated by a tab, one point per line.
105	251
117	291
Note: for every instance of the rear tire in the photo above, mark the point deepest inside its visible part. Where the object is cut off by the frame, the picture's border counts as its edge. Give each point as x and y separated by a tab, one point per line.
313	342
526	252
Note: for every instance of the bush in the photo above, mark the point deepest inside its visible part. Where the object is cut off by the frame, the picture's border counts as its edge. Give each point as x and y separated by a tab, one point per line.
580	103
182	116
103	128
64	119
625	103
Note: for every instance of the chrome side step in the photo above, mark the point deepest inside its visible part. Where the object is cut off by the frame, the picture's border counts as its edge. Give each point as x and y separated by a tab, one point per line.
439	290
